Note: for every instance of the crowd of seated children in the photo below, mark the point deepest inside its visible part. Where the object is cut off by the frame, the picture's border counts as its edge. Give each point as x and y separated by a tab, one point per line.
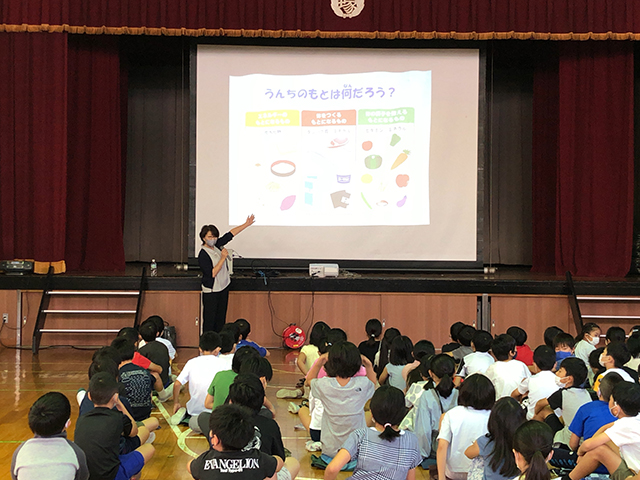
494	450
506	373
49	454
400	355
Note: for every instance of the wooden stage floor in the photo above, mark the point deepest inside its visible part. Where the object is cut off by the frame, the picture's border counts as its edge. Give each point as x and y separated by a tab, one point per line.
26	377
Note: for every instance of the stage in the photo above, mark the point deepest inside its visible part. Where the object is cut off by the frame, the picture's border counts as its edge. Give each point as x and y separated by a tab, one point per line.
421	305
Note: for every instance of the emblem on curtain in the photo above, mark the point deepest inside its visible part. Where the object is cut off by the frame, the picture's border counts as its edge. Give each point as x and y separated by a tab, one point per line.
347	8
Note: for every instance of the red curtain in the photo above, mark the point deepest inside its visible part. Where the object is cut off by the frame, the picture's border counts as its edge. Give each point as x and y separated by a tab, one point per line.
593	160
33	146
462	19
60	150
94	195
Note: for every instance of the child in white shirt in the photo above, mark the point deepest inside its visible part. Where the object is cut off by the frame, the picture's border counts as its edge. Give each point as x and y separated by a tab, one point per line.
506	373
479	360
543	383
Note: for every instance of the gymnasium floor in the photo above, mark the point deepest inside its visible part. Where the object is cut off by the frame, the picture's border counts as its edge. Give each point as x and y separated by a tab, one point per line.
25	377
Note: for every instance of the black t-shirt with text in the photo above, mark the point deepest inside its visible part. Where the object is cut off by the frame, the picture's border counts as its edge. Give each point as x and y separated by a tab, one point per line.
138	384
233	465
98	435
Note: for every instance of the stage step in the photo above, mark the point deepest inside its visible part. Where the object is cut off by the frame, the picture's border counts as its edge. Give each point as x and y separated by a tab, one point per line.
48	293
612	317
608	299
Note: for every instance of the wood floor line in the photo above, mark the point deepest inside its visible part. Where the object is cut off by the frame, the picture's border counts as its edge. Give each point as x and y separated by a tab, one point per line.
181	436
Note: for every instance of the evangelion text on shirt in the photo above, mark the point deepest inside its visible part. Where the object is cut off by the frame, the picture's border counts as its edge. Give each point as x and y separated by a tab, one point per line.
231	465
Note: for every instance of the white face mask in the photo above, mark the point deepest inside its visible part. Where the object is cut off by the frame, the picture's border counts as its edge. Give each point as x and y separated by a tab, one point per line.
600	359
211	243
594	340
559	382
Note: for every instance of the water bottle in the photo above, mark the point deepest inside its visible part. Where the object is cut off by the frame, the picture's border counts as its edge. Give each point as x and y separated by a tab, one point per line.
154	268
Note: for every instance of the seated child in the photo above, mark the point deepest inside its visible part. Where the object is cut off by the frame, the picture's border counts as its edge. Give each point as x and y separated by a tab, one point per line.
532	450
133	336
462	425
137	382
382	357
464	337
98	433
586	342
617	444
343	394
506	373
421	349
159	323
550	334
198	373
563	345
371	345
382	451
231	429
633	345
613	358
261	368
615	335
437	398
248	391
401	354
219	388
523	352
589	418
542	383
158	354
479	360
496	446
571	395
49	454
454	330
244	329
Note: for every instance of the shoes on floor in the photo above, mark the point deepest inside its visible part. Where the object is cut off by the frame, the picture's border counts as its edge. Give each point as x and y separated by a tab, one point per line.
299	426
293	408
312	446
80	396
152	437
286	393
177	417
166	394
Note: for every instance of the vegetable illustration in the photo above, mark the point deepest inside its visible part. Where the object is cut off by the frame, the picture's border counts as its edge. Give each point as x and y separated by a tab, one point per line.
365	201
288	202
402	202
373	161
401	158
402	180
367	145
395	139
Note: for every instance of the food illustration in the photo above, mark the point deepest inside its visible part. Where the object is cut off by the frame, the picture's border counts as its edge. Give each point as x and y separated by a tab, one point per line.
288	202
395	138
402	180
401	159
373	161
368	145
366	178
402	202
338	142
340	199
365	200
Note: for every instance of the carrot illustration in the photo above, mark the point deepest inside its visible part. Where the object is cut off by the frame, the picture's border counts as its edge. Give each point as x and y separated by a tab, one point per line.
401	158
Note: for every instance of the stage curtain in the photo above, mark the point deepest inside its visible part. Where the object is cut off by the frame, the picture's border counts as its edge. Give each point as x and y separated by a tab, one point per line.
95	184
459	19
33	146
593	159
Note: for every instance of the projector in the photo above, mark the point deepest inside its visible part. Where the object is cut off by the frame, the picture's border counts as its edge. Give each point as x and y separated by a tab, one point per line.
322	270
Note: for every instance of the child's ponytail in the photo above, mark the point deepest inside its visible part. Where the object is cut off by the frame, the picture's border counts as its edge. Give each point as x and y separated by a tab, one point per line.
443	367
534	441
537	469
388	409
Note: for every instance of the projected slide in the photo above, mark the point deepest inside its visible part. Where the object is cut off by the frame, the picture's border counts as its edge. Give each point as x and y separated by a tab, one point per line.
330	150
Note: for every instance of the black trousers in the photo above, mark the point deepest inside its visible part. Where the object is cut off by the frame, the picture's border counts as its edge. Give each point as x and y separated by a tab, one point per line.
214	310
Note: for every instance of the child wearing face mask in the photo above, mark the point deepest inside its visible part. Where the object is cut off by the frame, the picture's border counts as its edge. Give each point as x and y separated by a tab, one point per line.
586	342
613	358
622	459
